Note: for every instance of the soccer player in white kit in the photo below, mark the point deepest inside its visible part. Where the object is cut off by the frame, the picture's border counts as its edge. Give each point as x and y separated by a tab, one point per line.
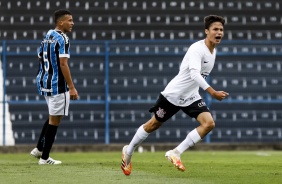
182	92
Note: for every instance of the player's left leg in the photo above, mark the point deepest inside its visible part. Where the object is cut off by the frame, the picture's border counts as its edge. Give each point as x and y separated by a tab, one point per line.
37	151
58	106
207	123
199	111
195	136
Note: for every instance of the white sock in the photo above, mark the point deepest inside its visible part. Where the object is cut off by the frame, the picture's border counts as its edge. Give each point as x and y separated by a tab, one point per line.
191	139
138	138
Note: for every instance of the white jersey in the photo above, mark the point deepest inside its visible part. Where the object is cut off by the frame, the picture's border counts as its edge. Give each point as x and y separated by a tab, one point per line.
183	90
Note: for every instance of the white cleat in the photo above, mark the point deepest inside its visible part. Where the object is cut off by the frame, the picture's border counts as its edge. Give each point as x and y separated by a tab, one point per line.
126	168
36	153
174	158
50	161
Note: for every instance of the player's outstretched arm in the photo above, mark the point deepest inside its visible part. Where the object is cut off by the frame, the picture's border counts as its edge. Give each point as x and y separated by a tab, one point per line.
219	95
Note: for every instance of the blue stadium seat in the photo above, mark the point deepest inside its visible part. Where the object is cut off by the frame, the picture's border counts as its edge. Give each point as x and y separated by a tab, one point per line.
249	72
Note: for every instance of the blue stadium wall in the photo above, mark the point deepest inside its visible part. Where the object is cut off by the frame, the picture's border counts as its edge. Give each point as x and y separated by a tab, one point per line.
123	53
118	81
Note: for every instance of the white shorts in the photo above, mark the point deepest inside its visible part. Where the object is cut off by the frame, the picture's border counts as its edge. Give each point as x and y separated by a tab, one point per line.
58	104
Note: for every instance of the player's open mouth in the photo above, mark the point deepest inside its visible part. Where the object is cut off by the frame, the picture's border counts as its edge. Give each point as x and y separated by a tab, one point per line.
218	38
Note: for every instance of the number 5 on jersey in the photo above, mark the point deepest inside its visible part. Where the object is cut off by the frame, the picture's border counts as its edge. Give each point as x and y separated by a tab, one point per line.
46	61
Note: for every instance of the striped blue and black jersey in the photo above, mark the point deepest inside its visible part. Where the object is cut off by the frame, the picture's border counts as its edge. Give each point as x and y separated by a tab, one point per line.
50	79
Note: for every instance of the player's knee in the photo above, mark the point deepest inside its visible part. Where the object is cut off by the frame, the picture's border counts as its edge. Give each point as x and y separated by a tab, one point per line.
152	125
209	125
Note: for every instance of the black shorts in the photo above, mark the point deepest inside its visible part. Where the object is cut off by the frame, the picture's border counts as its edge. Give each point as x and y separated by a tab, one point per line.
164	110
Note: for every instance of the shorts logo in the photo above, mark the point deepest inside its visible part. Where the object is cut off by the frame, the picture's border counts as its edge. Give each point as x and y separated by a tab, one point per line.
160	113
201	104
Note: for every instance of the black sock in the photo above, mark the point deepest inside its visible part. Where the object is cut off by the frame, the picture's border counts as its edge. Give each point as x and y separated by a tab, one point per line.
49	140
41	137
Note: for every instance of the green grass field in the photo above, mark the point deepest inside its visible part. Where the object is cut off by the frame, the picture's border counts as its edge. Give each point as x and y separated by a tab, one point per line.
202	167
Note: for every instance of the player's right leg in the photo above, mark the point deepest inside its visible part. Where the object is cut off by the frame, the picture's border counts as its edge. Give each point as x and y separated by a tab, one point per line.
163	110
50	136
128	150
126	164
50	161
141	134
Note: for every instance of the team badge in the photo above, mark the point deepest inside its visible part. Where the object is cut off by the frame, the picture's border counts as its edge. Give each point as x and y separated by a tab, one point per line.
160	113
201	104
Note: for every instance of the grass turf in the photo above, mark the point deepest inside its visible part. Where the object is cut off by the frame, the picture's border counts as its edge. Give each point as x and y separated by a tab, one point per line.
210	167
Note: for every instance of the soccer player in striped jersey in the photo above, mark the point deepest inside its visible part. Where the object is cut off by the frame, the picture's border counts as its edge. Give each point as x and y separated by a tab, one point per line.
54	82
182	92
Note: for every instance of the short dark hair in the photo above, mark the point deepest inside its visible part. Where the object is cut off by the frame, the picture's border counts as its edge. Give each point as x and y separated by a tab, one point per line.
59	13
213	18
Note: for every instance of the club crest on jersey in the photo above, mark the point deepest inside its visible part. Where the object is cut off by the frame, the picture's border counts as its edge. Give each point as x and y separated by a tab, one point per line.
160	113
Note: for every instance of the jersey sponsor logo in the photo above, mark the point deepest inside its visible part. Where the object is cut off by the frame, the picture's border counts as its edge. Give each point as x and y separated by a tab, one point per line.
202	104
160	113
49	41
192	98
46	90
182	100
